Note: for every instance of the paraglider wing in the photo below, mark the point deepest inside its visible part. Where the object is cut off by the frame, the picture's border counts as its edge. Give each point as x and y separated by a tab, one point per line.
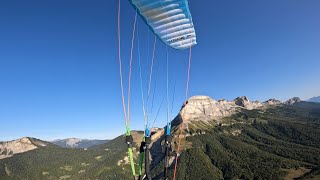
170	20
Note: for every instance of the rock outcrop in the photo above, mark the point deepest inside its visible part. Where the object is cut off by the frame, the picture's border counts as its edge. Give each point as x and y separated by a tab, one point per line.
10	148
272	102
293	100
244	102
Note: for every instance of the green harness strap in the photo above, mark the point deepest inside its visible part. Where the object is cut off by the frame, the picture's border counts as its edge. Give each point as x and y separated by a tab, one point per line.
141	160
141	156
130	152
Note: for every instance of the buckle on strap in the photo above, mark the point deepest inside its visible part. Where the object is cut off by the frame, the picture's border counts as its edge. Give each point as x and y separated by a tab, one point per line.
129	140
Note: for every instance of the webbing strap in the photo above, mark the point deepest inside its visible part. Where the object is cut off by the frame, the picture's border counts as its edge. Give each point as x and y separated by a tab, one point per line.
147	160
131	161
141	159
129	142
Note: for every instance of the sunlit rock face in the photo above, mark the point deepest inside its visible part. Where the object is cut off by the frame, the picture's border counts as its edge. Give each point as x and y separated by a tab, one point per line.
204	108
10	148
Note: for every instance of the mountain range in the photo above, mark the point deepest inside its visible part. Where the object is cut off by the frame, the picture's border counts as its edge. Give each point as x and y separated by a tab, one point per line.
314	99
238	139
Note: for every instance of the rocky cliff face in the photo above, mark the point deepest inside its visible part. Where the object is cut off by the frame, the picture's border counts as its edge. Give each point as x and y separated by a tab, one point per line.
9	148
204	108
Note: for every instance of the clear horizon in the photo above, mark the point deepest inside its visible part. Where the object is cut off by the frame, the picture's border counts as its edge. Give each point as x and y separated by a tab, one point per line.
59	73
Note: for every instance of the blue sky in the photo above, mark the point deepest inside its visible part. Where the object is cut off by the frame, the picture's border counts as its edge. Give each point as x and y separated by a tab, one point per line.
59	74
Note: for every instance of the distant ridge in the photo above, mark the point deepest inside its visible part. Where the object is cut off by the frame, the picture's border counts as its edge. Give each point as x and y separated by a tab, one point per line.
78	143
314	99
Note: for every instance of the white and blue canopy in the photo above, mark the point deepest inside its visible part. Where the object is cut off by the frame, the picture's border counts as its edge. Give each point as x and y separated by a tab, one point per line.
170	20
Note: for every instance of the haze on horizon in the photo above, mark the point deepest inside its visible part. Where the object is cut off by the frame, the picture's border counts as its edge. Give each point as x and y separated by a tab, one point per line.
59	74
